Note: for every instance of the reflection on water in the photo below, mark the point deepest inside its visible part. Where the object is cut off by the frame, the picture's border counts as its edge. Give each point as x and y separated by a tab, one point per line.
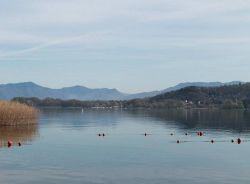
69	150
237	120
22	133
229	120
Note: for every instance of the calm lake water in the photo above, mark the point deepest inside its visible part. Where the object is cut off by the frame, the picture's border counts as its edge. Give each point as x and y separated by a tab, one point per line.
65	148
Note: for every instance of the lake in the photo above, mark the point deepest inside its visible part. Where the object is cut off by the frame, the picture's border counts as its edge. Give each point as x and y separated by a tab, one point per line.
65	148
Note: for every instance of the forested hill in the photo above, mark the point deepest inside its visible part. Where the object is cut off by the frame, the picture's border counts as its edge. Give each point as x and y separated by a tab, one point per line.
228	96
208	94
231	96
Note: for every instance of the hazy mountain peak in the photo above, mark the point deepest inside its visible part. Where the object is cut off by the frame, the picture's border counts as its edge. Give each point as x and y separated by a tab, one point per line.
30	89
21	84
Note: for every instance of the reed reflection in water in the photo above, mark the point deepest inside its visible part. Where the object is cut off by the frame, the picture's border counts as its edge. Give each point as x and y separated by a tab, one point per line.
23	134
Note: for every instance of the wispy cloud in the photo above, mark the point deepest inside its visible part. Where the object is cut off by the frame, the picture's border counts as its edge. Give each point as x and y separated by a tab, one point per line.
84	39
126	35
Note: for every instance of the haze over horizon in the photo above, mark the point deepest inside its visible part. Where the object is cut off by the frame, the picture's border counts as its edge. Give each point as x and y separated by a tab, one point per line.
31	83
133	46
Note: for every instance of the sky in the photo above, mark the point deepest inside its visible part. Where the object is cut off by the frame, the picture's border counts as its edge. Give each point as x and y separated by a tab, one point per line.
131	45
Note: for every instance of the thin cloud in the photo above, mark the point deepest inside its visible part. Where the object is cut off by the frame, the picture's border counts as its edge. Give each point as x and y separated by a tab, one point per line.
81	38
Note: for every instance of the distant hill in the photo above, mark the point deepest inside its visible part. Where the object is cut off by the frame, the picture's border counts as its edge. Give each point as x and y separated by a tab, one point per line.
201	84
29	89
228	97
180	86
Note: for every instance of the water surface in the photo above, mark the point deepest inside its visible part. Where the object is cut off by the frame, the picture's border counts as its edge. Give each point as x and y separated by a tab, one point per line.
65	148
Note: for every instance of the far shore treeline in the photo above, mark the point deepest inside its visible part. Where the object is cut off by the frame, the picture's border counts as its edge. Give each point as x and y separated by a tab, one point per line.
225	97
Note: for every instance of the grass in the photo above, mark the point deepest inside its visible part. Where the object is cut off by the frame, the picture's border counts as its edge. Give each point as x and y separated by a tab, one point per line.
14	113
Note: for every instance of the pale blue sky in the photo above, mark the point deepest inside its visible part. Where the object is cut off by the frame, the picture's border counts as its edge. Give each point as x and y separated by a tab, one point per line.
131	45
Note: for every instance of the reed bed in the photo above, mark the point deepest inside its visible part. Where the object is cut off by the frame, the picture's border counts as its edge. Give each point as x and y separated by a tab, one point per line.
14	113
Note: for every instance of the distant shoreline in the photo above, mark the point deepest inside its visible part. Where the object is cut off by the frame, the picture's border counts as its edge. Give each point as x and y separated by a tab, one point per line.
223	97
103	106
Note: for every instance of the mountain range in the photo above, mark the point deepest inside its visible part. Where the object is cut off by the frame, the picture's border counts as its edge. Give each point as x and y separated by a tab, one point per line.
30	89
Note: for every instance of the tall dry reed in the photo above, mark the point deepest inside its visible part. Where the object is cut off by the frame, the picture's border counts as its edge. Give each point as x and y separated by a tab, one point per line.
14	113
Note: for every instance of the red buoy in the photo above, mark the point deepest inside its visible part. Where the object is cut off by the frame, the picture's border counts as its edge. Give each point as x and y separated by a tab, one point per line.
10	143
200	133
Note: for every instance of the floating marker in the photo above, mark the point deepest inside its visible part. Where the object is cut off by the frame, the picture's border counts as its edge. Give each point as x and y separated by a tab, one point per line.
239	141
200	133
178	142
171	134
232	141
212	141
10	143
146	134
186	134
101	135
19	144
